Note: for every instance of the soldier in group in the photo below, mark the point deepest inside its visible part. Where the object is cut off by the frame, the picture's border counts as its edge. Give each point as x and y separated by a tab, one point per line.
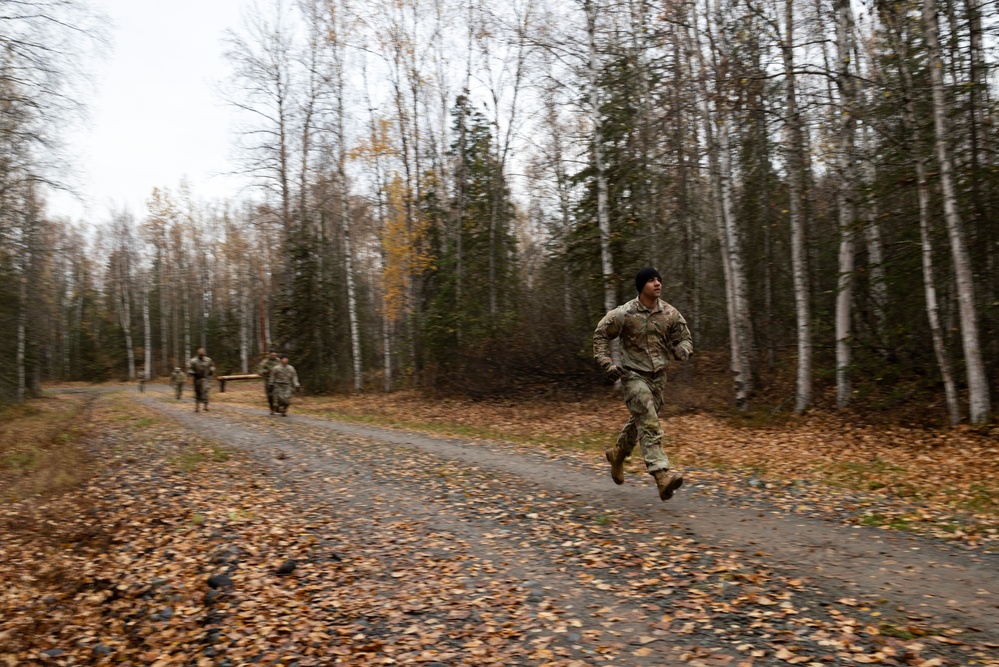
285	381
650	331
201	368
264	371
177	379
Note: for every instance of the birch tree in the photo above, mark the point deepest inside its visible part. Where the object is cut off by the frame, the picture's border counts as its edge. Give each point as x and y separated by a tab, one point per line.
338	28
122	263
845	198
796	191
978	388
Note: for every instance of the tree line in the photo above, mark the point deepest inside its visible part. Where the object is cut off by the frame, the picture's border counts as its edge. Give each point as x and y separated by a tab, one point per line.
450	194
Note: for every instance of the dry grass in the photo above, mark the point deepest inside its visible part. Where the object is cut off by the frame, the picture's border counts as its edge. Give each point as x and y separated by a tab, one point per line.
39	446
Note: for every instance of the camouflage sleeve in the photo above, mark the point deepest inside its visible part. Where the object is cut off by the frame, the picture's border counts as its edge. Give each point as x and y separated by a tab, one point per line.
608	329
294	379
679	337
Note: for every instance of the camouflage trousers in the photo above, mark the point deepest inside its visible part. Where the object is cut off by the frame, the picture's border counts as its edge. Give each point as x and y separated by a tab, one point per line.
178	389
282	395
201	388
643	393
269	390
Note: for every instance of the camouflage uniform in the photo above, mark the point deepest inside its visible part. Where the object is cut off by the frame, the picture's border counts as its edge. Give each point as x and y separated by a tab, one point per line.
177	379
264	371
285	381
201	368
649	337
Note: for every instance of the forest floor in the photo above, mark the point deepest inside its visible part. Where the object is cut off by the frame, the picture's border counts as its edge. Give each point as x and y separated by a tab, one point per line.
395	529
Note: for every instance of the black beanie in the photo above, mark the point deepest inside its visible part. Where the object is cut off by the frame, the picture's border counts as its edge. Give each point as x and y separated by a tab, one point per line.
644	276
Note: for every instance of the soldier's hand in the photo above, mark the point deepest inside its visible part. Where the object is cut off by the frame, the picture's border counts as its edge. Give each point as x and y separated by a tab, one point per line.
614	372
681	353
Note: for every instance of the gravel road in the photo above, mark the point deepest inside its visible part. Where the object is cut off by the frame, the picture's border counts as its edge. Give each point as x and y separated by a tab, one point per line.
702	579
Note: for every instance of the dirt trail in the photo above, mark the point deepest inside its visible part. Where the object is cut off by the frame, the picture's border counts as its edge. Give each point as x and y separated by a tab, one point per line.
513	500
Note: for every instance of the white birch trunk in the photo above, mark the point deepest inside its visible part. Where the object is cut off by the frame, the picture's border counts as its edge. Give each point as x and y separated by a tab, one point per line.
799	256
245	316
603	213
978	387
693	223
22	322
125	319
387	352
719	175
187	319
348	255
348	260
737	355
872	237
846	203
929	288
737	273
164	346
380	184
923	191
147	331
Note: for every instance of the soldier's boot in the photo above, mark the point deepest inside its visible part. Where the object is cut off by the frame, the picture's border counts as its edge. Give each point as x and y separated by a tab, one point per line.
206	406
616	458
197	406
667	482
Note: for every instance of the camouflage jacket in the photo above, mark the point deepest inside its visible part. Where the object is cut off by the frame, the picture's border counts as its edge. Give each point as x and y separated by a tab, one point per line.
177	377
284	374
201	368
266	366
648	337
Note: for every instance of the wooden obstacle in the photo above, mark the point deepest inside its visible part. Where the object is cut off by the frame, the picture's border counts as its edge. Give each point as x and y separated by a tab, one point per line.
227	378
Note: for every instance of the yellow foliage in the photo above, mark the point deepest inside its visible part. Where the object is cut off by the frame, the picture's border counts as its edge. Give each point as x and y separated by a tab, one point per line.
406	251
378	145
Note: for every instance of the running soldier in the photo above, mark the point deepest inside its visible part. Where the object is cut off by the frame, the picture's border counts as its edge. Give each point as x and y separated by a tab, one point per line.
177	379
650	331
264	371
284	377
201	368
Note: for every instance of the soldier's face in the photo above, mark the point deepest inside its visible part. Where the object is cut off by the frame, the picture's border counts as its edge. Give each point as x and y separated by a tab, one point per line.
652	289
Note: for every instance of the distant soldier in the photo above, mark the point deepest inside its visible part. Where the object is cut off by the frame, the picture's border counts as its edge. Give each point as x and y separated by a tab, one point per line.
201	368
264	371
142	382
285	381
177	379
651	331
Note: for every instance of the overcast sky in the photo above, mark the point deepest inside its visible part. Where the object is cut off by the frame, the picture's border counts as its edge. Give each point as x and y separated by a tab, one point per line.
155	117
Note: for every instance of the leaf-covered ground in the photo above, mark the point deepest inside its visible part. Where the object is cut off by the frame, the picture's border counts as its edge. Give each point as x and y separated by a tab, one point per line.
400	556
